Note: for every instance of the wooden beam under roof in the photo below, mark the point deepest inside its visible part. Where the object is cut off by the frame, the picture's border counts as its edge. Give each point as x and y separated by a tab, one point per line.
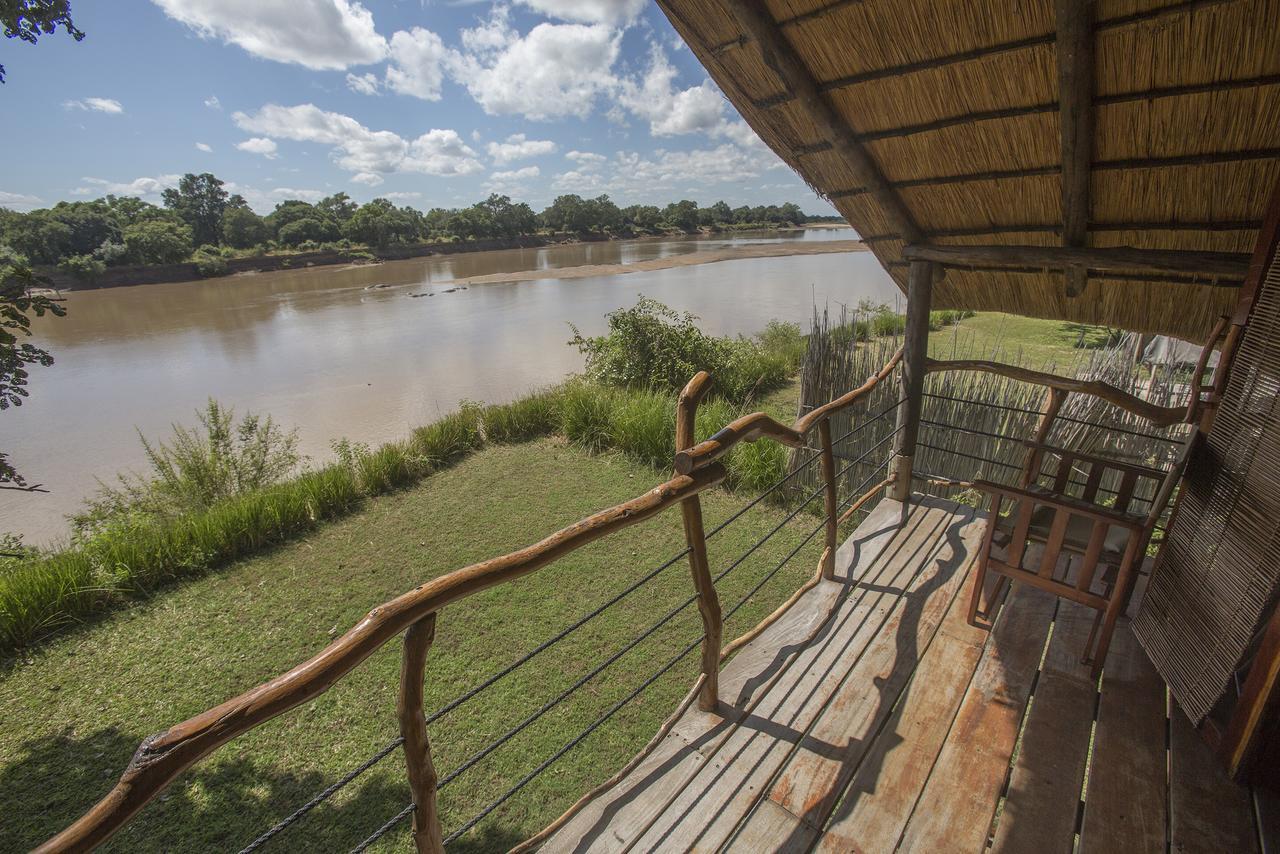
1074	49
1231	265
780	56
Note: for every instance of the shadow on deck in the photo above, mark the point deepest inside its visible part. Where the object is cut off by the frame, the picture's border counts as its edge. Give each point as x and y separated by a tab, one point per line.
872	717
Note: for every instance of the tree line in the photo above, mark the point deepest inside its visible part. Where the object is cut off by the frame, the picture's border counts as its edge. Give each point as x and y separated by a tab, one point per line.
200	221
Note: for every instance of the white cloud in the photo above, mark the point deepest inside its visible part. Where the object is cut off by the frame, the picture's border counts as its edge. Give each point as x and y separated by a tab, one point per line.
364	84
586	159
589	11
519	147
203	146
100	105
511	181
358	149
417	64
318	34
284	193
403	196
213	103
18	201
259	145
555	70
632	174
369	179
141	187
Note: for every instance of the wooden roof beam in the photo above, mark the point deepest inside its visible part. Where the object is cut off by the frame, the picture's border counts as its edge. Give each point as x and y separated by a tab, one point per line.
1227	265
780	56
1074	48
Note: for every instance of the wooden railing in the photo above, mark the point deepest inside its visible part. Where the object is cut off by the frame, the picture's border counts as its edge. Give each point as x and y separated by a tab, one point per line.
163	756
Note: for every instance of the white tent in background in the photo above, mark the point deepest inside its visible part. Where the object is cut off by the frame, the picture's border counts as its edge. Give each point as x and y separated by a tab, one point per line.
1166	350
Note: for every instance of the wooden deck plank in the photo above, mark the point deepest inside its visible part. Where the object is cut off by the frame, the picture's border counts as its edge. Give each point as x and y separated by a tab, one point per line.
955	809
1043	799
876	804
812	780
773	828
1125	802
710	807
1207	811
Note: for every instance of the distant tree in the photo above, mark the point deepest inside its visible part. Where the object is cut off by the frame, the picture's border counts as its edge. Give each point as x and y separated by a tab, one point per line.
380	223
645	217
293	210
127	210
338	207
742	215
19	301
682	215
567	213
436	222
791	213
90	223
241	227
29	19
505	218
199	201
39	237
601	213
158	242
316	229
721	213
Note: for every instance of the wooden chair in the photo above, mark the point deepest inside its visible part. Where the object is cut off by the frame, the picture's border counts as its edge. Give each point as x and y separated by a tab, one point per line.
1109	540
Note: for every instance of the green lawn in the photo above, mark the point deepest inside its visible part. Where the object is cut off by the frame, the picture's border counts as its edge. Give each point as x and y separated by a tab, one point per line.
75	708
1022	340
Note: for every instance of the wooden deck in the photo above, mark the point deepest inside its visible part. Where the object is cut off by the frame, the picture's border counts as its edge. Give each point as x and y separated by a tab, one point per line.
873	718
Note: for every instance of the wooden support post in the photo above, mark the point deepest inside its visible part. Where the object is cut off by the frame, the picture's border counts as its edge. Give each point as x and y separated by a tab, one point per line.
1031	467
413	728
1075	119
832	506
915	349
696	538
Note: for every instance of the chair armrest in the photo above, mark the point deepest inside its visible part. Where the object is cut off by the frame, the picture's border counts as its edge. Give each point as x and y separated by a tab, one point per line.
1143	471
1064	502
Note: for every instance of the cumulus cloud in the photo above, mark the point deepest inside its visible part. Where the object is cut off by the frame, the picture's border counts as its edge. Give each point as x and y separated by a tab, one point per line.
317	34
417	64
140	187
632	173
259	145
402	196
364	84
588	11
511	181
358	149
519	147
283	193
213	103
100	105
369	179
556	70
18	201
586	158
204	146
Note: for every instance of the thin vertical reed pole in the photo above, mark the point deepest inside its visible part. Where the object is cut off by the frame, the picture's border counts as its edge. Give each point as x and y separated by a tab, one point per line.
413	728
696	538
1052	403
915	347
829	476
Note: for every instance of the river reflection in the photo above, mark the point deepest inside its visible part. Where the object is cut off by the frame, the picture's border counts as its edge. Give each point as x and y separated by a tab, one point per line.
348	352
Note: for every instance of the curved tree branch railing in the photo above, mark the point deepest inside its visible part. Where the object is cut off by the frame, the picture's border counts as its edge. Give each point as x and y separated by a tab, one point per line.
163	756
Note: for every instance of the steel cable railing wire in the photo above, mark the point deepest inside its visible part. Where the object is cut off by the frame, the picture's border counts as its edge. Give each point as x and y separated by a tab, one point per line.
330	791
385	829
1060	417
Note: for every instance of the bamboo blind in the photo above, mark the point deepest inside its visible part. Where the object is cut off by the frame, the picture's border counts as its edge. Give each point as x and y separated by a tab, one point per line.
1219	572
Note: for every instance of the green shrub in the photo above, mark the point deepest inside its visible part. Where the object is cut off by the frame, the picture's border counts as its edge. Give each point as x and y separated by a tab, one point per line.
642	424
524	419
84	268
652	346
448	439
209	264
586	414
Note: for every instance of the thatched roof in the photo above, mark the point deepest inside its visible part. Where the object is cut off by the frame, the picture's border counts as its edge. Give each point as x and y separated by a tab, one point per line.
939	122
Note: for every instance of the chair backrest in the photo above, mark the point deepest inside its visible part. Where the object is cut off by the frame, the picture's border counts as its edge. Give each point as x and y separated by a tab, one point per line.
1170	483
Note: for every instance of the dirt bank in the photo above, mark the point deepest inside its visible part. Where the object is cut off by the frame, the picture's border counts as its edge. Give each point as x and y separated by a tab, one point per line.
729	253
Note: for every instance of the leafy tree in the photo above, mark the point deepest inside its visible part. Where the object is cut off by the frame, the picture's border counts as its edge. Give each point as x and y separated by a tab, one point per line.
314	228
241	227
19	301
720	212
86	268
791	213
199	201
603	214
38	236
380	223
127	210
507	219
29	19
157	242
567	213
91	223
436	221
338	207
646	217
682	215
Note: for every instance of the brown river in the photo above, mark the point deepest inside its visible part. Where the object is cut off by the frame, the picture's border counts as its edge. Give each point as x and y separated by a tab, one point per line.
348	352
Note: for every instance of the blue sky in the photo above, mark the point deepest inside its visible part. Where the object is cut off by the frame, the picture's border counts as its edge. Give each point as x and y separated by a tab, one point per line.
427	102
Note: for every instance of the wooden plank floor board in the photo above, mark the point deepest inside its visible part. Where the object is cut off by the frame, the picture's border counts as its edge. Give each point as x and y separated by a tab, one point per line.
1125	802
955	809
1040	808
875	805
1207	812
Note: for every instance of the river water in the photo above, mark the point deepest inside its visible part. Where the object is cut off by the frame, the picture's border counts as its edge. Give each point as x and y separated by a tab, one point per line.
345	352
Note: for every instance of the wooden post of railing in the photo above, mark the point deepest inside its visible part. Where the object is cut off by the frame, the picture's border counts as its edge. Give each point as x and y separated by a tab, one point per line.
695	536
915	350
413	728
1031	466
832	506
